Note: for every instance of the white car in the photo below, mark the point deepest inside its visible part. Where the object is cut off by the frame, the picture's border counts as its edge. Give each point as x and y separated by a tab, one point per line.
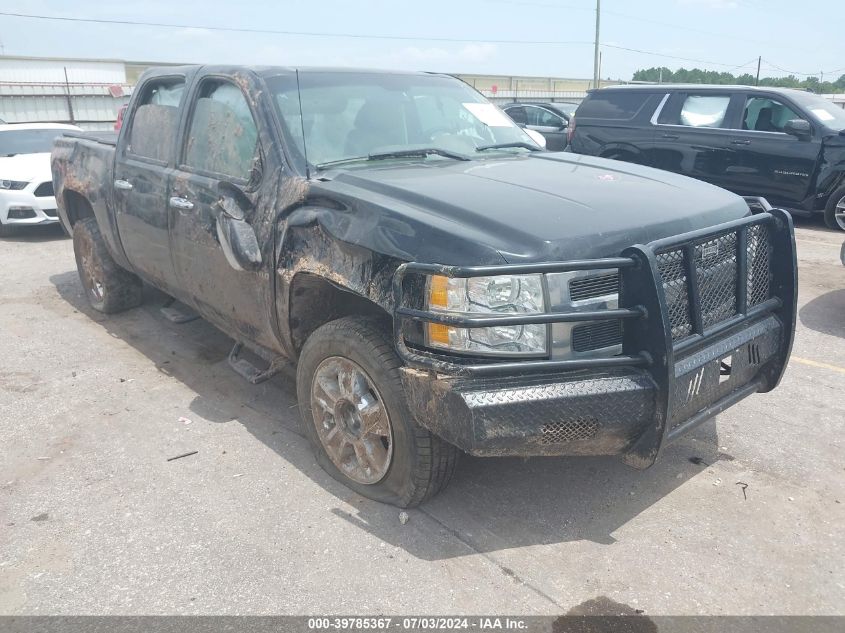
26	183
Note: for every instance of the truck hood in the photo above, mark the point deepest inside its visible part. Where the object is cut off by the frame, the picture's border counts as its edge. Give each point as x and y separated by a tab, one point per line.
537	207
26	167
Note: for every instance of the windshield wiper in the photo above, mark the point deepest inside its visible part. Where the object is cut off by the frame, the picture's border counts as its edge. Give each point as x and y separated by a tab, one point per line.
416	152
342	161
421	152
521	144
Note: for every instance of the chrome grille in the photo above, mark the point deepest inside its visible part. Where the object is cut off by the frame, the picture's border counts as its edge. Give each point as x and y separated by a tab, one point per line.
596	286
597	335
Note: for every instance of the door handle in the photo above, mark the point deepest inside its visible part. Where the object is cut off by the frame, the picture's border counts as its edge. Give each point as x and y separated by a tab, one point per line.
741	142
673	137
181	203
122	184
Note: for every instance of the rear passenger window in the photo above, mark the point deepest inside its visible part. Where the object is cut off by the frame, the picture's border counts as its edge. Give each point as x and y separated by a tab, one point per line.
613	105
699	111
156	118
542	117
223	136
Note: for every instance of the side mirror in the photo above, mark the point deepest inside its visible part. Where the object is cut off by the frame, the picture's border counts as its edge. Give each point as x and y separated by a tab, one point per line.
798	128
236	236
240	246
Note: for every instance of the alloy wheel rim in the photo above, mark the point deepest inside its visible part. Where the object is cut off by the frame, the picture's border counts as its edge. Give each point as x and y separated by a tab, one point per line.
351	420
839	213
92	274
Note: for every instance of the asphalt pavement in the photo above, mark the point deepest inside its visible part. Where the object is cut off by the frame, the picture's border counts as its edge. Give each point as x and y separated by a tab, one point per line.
743	516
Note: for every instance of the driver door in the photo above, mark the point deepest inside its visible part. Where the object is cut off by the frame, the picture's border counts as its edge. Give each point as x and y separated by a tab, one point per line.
220	151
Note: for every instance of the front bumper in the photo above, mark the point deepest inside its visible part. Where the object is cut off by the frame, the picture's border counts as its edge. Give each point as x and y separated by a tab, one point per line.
33	209
675	370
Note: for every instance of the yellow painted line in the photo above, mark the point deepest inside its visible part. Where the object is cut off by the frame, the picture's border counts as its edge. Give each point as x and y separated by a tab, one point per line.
815	363
822	242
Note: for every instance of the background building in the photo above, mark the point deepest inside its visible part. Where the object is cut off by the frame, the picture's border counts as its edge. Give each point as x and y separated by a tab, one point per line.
89	92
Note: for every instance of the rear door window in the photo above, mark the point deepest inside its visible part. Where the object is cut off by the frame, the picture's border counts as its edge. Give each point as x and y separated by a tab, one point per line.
156	118
223	136
542	117
696	110
613	105
763	114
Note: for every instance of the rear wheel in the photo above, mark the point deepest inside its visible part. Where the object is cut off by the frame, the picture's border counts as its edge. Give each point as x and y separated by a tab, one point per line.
108	287
834	213
354	412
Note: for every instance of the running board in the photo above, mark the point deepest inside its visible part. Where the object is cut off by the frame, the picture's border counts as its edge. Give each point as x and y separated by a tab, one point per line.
177	312
247	370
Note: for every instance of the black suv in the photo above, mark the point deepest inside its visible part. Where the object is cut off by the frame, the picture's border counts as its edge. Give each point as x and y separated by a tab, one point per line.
785	145
549	119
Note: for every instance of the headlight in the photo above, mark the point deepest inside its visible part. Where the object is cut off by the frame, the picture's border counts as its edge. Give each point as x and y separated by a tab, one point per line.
14	185
506	294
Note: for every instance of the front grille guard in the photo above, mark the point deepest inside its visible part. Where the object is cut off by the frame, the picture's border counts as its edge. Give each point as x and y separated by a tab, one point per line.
647	340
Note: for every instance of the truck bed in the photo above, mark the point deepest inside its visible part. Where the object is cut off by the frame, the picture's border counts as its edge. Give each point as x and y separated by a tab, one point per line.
107	138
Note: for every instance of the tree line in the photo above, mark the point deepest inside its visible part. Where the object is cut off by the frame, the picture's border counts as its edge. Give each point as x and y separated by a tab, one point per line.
699	76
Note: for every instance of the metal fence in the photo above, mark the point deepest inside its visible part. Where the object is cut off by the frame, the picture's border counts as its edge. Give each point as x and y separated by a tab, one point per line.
88	105
501	97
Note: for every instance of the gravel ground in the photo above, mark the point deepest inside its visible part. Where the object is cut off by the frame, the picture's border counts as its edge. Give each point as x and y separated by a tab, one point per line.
94	520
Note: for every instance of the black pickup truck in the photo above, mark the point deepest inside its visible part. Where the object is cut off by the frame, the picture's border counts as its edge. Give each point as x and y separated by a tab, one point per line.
442	284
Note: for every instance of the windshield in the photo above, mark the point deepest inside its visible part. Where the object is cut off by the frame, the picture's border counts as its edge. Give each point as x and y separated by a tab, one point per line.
13	142
350	115
825	112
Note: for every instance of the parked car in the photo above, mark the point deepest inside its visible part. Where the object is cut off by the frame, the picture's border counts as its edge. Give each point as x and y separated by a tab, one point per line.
26	184
785	145
442	284
549	119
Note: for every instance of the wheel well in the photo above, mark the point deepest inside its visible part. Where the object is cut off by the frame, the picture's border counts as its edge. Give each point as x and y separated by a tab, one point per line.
620	154
77	207
314	301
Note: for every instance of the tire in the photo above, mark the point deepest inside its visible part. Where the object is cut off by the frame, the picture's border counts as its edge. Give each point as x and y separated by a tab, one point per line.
108	287
419	464
837	199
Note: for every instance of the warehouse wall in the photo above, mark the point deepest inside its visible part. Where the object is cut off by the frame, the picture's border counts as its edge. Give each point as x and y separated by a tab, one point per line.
36	91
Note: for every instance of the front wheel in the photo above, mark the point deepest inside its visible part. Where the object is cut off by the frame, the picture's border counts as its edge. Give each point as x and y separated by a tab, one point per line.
834	212
355	414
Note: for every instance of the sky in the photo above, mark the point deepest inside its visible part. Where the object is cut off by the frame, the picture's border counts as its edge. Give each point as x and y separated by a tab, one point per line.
553	37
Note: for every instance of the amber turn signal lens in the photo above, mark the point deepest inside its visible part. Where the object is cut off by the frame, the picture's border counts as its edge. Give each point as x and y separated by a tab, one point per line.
438	297
438	291
438	333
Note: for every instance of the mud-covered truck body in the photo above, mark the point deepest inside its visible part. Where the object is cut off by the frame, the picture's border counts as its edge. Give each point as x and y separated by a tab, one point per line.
441	284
